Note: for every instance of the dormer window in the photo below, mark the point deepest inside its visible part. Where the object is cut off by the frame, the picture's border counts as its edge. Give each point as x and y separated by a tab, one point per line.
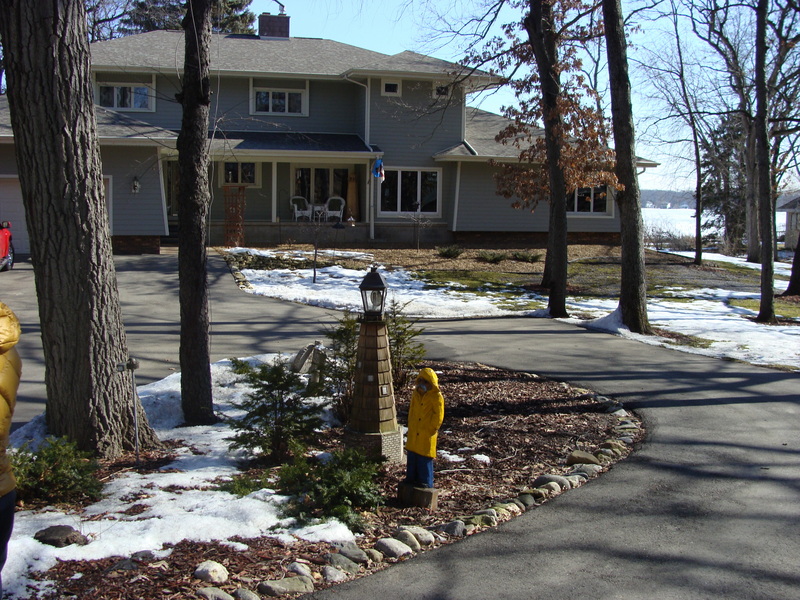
391	87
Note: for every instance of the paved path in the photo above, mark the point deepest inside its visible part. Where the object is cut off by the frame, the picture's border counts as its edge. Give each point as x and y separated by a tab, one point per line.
709	507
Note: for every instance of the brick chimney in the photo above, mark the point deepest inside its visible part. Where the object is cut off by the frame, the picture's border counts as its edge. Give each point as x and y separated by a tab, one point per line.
273	26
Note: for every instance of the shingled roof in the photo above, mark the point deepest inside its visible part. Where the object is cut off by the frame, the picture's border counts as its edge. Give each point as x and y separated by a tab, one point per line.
162	51
480	144
111	126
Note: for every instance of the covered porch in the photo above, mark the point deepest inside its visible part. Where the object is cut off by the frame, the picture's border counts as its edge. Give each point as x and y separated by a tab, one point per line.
254	178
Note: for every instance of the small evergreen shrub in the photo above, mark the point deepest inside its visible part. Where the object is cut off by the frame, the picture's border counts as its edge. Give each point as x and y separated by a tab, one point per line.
336	488
247	483
341	368
56	472
276	414
491	256
405	350
526	257
449	251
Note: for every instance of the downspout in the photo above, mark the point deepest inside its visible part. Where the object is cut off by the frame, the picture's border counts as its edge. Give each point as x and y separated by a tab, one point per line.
458	196
367	113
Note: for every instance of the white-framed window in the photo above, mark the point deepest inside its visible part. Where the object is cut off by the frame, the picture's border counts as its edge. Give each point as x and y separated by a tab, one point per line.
269	101
317	184
127	97
590	201
240	173
391	87
405	191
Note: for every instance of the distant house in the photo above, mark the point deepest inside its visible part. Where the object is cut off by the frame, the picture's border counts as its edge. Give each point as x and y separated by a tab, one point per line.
792	210
302	117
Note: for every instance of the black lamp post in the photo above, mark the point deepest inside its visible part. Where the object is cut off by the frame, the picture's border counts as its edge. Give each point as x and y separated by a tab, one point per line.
373	418
373	295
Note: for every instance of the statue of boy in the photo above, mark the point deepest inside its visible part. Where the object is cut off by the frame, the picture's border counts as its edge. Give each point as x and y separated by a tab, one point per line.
425	416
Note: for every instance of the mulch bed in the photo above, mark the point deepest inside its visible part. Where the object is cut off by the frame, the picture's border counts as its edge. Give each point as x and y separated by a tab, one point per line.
525	424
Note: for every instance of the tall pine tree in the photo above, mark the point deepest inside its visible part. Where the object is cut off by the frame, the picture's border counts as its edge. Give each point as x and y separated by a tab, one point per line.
227	16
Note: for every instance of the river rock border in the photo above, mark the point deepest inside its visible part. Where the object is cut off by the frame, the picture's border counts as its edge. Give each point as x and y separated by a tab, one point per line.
347	561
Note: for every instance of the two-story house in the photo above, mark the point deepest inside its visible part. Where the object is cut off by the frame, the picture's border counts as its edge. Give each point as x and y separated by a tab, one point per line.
301	117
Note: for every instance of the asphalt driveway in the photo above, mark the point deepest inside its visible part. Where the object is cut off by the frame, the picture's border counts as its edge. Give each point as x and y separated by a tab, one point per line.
709	507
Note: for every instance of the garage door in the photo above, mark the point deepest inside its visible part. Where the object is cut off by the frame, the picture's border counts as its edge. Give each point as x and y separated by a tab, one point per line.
11	209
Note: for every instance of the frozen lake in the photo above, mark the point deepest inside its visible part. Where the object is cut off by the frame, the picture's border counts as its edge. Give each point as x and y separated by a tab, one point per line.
681	220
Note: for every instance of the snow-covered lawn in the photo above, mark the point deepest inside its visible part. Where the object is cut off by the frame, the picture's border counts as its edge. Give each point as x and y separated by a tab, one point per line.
177	504
702	313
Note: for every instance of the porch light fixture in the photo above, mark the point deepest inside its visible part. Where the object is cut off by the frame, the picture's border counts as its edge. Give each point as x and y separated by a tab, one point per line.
373	294
135	185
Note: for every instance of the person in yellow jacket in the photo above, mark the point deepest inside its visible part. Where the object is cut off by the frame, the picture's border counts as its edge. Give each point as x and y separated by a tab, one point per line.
10	371
425	416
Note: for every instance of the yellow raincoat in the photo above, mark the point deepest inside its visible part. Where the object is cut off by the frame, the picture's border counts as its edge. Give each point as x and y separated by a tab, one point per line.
425	416
10	371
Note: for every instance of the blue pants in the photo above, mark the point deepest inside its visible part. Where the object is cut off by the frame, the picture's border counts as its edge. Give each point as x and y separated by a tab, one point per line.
419	470
6	525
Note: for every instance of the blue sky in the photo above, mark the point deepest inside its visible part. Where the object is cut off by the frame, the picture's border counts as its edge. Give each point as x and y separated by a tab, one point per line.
392	26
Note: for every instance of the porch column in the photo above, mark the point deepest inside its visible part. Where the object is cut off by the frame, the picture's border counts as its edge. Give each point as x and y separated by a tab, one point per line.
274	191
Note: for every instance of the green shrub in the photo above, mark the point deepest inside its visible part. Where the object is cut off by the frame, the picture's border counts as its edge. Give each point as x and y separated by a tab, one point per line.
526	257
341	366
247	483
491	256
404	349
56	472
337	488
449	251
275	412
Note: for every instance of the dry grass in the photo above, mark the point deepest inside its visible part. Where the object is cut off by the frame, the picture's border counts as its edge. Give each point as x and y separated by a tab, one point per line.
429	259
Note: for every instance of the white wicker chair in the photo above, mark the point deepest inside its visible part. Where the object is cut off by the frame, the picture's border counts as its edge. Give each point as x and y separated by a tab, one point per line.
334	208
300	208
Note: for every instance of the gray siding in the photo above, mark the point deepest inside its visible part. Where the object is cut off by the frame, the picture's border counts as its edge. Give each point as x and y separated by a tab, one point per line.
481	209
406	128
134	214
8	161
258	200
334	106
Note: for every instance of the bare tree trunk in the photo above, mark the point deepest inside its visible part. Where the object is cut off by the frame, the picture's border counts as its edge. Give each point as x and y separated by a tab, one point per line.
52	114
193	202
794	281
751	197
539	24
766	313
633	288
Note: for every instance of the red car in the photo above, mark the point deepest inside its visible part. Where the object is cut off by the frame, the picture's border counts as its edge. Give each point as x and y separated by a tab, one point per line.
6	247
